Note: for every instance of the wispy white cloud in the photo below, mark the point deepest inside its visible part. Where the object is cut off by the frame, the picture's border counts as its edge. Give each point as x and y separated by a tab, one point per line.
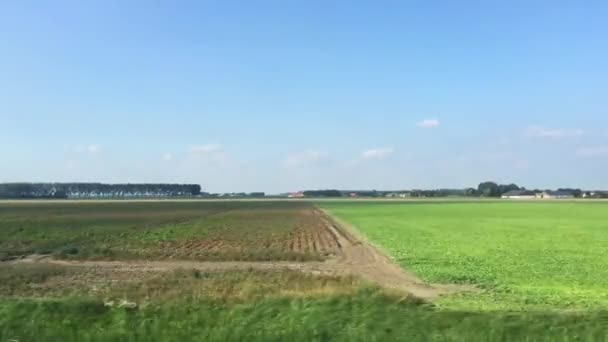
306	158
592	151
89	149
167	157
208	153
428	123
553	133
206	149
92	149
377	153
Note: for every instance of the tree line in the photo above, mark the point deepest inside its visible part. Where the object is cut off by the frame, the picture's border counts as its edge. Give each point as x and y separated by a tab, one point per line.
484	189
491	189
96	190
322	193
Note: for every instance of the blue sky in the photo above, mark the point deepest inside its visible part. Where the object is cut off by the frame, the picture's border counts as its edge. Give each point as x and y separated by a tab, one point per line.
287	95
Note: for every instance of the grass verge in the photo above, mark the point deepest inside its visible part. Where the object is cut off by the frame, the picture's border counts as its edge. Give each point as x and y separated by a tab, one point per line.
365	316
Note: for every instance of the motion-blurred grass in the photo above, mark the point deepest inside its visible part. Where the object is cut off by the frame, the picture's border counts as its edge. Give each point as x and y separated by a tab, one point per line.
365	316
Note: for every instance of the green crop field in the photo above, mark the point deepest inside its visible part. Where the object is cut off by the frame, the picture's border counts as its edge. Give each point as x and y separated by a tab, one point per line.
521	256
241	271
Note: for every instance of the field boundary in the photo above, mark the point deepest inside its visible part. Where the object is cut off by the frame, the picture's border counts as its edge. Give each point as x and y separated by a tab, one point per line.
380	266
352	230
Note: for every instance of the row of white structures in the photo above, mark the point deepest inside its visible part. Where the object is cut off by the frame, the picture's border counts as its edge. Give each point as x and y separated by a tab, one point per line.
526	194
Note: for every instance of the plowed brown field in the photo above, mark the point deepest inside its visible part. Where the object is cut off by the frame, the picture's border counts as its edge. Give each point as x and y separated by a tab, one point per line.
303	236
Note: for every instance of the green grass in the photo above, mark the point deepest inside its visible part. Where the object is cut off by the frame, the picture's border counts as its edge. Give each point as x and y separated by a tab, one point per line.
203	230
187	305
365	316
523	256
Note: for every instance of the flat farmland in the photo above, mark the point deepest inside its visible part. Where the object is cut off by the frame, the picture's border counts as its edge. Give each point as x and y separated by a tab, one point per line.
285	270
520	255
165	230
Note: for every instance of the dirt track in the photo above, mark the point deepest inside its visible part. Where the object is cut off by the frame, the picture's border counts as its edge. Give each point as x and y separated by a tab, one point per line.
355	257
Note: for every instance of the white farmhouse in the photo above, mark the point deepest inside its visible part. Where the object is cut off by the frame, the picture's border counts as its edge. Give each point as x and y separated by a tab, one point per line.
519	194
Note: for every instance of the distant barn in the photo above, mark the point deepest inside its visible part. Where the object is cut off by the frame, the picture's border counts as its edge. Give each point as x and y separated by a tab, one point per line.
519	194
555	195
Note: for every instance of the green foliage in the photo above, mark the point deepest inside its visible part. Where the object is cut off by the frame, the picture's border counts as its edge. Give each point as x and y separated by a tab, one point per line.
488	189
504	188
366	316
322	193
522	256
491	189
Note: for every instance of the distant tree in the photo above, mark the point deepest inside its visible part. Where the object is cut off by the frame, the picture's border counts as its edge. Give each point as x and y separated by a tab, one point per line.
470	192
502	188
322	193
488	189
95	190
575	192
363	193
195	189
60	194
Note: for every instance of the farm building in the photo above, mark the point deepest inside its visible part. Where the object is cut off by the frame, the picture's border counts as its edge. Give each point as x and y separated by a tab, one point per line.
595	194
398	194
555	195
519	194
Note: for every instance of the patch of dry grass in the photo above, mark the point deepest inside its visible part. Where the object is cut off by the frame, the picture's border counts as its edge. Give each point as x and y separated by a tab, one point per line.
43	280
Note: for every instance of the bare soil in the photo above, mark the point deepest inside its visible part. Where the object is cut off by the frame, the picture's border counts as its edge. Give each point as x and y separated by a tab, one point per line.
349	255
